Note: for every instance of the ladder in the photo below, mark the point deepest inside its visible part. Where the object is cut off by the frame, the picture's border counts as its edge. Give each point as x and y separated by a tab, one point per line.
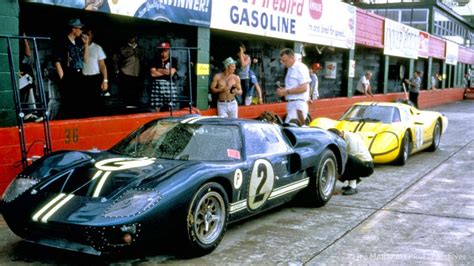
39	107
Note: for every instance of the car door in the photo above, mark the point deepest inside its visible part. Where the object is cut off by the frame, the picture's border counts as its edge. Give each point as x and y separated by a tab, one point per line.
419	128
268	156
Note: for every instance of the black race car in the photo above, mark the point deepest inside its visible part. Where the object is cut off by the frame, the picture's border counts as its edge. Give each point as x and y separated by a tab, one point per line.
178	178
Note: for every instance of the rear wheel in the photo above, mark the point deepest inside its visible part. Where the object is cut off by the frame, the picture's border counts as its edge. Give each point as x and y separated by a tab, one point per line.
436	137
404	150
207	219
322	181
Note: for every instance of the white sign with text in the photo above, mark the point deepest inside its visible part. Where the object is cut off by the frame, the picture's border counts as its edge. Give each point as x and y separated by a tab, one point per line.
401	40
310	21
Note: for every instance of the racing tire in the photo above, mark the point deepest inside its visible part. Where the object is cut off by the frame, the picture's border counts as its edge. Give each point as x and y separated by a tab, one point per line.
436	137
322	180
206	219
404	150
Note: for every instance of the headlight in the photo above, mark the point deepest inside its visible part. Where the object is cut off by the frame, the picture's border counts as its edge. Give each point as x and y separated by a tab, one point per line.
18	187
132	202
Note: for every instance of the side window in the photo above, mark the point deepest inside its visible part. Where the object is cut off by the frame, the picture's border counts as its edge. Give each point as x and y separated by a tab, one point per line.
404	114
263	139
396	115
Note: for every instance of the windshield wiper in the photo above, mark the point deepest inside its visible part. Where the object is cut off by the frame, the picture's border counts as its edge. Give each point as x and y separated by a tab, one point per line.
134	154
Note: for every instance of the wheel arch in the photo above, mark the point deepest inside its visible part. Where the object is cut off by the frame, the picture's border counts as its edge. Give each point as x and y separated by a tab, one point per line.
224	182
338	155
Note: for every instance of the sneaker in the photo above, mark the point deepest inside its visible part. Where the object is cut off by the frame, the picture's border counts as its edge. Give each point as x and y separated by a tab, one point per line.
39	119
350	191
345	188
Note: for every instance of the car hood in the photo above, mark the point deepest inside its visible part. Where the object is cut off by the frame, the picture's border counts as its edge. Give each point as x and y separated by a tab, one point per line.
83	188
380	138
364	128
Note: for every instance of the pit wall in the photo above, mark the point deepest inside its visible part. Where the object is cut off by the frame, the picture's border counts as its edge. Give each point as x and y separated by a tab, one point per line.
103	132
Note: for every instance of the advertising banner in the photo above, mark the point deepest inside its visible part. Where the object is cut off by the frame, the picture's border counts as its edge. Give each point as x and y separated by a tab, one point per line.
188	12
452	53
401	40
325	22
330	70
424	49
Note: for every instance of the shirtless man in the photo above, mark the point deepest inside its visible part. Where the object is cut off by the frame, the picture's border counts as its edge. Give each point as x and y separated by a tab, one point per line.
227	85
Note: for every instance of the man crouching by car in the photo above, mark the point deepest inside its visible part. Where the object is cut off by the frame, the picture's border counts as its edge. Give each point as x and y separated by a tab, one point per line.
359	162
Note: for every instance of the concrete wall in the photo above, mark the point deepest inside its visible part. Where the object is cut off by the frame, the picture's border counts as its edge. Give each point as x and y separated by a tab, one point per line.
8	26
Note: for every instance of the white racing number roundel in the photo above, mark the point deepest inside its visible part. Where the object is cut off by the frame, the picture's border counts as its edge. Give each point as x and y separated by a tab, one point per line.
419	137
261	183
238	179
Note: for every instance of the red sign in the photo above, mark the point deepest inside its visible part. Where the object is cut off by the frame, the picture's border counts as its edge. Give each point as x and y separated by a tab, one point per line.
316	8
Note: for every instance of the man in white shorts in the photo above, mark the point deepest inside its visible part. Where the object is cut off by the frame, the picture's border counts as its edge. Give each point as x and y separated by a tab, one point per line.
227	85
296	90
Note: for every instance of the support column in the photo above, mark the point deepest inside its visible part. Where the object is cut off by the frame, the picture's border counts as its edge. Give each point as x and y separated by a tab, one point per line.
429	74
456	75
9	13
203	68
411	68
350	80
385	74
450	76
443	84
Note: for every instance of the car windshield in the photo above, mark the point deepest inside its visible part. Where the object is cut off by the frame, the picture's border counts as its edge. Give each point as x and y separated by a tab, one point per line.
182	141
372	113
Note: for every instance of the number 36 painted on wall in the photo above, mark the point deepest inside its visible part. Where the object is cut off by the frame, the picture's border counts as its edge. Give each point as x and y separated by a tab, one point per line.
71	135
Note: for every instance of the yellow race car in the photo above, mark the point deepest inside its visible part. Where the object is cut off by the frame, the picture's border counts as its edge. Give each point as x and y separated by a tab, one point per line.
391	131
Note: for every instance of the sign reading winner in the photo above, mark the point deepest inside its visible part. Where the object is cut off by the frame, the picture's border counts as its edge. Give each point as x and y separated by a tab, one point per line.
310	21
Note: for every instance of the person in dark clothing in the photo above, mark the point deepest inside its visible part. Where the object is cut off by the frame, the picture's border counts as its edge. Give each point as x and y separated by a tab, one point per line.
414	84
164	91
69	62
128	64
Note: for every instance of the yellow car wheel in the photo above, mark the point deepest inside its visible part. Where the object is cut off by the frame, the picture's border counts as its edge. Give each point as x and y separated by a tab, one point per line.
404	150
436	137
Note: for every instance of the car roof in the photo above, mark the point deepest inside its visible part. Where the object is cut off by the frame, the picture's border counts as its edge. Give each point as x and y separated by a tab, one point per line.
393	104
197	119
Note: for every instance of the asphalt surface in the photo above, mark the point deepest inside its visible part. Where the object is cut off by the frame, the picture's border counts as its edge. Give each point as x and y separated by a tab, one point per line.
421	213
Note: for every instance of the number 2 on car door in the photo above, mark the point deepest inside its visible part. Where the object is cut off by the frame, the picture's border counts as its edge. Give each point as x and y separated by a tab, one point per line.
261	183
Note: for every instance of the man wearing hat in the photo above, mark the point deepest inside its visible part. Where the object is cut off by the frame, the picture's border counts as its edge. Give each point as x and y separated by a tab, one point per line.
164	91
227	85
69	60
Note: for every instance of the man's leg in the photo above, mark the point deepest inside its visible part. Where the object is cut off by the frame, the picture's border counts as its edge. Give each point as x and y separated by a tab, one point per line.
233	109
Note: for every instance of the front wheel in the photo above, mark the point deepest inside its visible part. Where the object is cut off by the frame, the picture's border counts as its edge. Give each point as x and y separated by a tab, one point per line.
322	180
207	219
436	137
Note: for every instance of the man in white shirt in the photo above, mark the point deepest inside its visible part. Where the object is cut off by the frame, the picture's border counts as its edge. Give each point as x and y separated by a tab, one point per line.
95	75
363	86
296	90
359	162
